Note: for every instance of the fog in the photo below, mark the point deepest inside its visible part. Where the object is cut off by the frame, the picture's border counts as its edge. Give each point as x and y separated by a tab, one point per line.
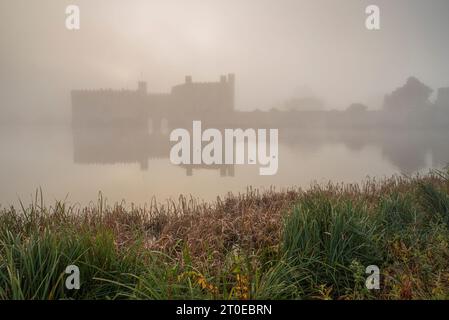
278	50
348	102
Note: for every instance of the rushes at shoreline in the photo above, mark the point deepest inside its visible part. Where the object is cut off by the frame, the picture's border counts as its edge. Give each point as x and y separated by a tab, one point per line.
296	244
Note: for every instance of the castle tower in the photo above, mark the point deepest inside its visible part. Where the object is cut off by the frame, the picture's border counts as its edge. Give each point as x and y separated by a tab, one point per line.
231	84
142	87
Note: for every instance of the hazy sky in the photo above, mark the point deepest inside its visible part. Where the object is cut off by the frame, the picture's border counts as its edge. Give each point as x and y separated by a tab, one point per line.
275	48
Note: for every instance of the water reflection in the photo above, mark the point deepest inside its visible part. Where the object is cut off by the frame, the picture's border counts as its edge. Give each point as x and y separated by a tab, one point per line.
119	144
133	126
409	151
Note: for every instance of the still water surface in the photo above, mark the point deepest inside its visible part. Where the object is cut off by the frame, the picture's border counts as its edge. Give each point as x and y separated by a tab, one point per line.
76	166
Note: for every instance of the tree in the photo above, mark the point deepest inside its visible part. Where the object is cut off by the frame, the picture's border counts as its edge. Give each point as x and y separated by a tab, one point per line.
357	107
413	95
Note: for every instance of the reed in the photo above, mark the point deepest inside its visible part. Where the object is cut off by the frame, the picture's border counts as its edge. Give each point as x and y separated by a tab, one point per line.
292	244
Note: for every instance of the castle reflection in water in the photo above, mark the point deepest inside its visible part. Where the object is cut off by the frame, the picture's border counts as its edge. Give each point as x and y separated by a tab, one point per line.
133	126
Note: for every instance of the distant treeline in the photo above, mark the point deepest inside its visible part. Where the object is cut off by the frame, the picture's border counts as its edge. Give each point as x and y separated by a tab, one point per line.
406	107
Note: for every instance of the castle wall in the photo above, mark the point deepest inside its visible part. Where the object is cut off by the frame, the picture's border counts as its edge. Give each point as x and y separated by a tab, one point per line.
103	107
443	97
202	97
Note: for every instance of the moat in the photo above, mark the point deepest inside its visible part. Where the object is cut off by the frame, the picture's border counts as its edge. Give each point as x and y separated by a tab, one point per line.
78	169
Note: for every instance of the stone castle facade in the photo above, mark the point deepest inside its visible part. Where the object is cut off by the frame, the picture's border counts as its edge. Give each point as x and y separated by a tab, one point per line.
107	106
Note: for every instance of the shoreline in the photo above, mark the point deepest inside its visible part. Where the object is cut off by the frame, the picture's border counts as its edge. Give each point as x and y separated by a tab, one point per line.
303	244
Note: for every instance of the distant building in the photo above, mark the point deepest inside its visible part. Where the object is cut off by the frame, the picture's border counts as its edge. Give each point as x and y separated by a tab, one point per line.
133	107
442	97
357	107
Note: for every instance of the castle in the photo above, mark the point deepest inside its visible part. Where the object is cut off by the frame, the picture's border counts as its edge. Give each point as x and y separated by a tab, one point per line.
131	126
134	107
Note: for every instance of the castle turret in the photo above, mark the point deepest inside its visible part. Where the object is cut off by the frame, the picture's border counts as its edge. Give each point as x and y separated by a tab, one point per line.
142	87
231	78
231	83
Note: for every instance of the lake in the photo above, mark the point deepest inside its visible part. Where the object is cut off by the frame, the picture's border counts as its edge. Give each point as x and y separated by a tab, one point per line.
127	165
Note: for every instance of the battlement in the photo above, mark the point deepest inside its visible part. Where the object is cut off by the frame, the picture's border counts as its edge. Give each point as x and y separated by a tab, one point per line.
104	105
142	87
205	96
230	78
104	92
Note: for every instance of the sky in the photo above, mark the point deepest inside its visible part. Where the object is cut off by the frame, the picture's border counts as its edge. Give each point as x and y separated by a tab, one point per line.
278	49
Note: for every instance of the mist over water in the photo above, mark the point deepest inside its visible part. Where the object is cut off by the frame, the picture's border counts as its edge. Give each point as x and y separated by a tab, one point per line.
92	110
125	169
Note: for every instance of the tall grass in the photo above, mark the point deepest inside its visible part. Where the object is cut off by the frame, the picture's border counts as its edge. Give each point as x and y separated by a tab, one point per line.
324	238
34	267
295	244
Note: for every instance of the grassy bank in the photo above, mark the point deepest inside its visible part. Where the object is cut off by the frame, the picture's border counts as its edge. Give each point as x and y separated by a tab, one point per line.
312	244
